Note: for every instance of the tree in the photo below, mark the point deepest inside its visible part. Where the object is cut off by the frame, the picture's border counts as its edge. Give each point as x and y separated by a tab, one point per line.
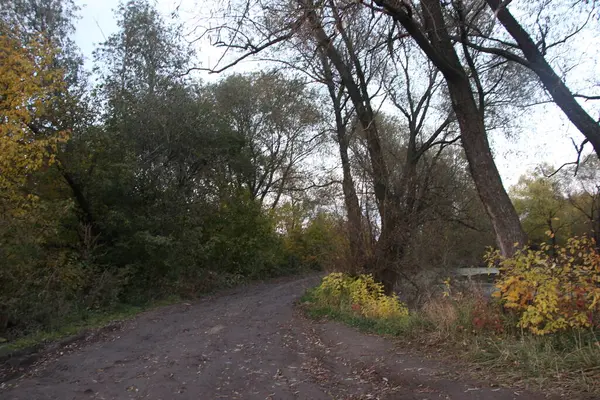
581	185
279	126
359	246
351	38
434	40
29	87
545	212
534	58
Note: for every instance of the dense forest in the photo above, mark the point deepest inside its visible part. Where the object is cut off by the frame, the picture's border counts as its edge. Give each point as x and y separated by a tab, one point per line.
362	145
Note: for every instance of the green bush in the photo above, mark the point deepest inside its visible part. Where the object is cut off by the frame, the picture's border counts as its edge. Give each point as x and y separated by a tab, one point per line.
320	244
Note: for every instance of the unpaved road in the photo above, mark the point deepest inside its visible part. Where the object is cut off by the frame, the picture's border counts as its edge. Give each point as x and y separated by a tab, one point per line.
246	344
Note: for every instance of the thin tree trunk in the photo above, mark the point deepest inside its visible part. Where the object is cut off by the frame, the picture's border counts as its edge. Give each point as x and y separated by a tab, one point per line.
385	254
355	231
80	198
361	104
555	86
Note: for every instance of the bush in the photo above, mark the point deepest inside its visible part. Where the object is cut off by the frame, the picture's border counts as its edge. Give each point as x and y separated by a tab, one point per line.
552	289
359	295
464	323
319	244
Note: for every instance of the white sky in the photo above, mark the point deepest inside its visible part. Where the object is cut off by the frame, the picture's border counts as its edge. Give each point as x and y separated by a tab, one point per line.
545	137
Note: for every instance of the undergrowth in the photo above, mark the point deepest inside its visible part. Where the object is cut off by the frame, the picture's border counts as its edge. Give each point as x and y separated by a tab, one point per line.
483	335
79	322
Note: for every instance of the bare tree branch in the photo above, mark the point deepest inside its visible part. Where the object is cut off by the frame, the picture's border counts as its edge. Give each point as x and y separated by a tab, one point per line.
576	162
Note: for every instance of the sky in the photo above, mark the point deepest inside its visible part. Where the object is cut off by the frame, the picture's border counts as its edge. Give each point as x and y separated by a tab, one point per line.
545	135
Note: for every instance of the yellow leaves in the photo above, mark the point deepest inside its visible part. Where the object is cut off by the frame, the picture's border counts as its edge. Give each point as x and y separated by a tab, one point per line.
551	293
29	85
362	295
447	288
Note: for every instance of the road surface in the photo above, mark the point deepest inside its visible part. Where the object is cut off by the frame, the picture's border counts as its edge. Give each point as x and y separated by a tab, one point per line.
249	343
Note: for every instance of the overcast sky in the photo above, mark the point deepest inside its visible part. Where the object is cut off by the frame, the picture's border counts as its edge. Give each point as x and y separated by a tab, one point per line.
545	137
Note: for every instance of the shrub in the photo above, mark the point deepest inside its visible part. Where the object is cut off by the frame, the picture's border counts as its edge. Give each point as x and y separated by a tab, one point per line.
463	311
552	289
319	244
359	295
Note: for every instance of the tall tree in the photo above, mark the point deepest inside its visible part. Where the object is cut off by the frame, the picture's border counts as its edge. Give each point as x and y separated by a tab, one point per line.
280	126
29	87
434	40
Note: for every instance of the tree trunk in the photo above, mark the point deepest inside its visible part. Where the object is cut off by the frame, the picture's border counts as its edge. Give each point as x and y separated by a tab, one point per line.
360	101
384	261
595	220
440	50
555	86
87	217
355	228
503	216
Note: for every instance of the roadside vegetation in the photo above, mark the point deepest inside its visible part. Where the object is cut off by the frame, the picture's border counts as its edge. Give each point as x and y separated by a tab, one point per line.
541	328
132	184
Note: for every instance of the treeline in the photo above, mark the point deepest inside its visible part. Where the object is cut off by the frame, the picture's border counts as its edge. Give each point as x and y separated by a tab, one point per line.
137	181
450	72
145	183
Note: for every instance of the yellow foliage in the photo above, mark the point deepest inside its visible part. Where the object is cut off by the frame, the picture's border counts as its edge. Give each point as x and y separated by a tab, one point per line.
362	295
29	85
552	289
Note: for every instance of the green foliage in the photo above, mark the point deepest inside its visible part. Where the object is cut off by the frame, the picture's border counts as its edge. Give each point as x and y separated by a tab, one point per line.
148	197
553	204
320	243
552	289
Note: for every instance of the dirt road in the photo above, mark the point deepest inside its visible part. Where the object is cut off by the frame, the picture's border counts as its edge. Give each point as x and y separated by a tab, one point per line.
247	344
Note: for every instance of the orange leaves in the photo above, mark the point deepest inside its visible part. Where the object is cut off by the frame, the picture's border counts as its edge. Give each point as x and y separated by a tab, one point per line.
552	292
29	85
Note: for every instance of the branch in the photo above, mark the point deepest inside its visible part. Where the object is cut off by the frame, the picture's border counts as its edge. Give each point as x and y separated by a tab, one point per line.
583	96
576	162
502	5
254	50
401	12
475	75
316	186
496	51
446	142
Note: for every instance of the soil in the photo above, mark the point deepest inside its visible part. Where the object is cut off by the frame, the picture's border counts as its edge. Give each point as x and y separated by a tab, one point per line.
249	343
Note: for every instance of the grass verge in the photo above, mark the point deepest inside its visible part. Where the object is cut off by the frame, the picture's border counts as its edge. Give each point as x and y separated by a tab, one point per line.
77	323
567	362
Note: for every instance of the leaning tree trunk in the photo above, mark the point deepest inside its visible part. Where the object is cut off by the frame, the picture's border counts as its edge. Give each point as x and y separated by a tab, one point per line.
503	216
553	83
436	44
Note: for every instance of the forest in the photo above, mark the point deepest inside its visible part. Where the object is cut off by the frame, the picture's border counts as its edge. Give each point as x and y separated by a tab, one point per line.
361	144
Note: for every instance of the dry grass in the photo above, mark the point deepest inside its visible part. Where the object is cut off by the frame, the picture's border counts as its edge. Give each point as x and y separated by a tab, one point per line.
442	313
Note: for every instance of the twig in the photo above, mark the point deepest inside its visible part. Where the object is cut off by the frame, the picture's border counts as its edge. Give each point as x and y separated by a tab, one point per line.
576	162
